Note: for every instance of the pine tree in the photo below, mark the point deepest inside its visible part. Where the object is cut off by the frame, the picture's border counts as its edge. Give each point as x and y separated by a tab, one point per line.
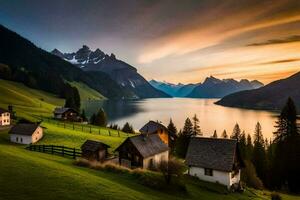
172	130
188	128
259	153
236	133
287	121
243	144
215	135
286	163
224	134
183	139
249	147
100	118
83	116
127	128
196	126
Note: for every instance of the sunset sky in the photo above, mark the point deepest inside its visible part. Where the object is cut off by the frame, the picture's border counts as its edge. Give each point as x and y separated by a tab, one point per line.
176	41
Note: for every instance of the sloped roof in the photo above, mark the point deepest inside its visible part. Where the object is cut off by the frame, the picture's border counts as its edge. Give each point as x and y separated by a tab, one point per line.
3	111
61	110
213	153
152	127
91	145
147	145
23	129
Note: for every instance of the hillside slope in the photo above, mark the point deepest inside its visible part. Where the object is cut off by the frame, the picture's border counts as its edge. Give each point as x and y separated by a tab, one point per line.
22	61
271	96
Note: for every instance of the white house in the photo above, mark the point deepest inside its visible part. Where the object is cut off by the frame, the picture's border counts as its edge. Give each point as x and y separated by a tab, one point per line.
214	160
143	151
26	133
4	117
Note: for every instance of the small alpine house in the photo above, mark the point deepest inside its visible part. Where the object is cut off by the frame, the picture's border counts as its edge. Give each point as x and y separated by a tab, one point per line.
214	160
153	127
142	151
94	150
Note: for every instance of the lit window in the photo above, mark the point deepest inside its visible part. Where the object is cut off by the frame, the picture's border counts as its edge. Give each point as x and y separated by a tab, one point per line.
208	172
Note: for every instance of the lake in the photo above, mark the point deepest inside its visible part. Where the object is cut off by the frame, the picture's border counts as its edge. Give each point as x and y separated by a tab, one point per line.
212	117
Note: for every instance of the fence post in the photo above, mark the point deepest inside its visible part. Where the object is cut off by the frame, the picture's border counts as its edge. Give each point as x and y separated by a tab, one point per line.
109	133
118	133
52	149
43	148
74	155
63	151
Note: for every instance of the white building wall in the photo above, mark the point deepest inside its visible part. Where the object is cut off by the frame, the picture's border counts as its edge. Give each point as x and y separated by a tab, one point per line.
5	119
156	159
236	178
27	139
221	177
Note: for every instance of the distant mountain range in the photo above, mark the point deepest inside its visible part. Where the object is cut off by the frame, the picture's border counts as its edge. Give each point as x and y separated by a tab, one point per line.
174	90
210	88
272	96
125	75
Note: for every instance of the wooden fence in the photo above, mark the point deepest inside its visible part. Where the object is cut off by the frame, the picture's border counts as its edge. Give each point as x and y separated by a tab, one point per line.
57	150
86	128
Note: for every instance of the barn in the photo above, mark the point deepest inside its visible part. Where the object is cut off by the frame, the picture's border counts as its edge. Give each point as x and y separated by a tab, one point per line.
94	150
214	160
26	133
143	151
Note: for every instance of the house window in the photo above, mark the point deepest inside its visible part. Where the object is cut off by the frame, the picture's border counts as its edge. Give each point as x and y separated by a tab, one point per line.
208	172
21	140
17	139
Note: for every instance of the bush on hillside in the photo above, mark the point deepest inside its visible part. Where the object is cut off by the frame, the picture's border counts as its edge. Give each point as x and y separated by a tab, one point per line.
275	196
249	176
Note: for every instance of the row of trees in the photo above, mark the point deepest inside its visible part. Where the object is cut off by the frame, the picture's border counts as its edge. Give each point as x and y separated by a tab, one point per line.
273	164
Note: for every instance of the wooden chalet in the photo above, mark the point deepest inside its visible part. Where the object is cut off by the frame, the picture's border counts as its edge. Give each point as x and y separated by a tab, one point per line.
153	127
142	151
94	150
69	114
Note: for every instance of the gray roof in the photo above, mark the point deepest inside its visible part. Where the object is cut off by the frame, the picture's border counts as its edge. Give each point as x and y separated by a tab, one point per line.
147	145
23	129
91	145
61	110
3	111
213	153
152	127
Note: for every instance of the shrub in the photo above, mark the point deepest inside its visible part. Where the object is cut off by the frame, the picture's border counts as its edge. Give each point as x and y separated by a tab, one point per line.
275	196
82	162
249	176
171	168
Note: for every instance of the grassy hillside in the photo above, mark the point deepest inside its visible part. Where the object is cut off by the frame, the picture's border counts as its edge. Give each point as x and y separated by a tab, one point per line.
27	102
87	93
32	175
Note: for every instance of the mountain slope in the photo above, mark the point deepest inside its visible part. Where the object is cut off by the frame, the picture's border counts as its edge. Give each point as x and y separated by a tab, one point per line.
271	96
125	75
174	90
216	88
23	62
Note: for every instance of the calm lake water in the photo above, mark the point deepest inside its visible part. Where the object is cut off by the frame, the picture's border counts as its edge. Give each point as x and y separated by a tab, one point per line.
212	117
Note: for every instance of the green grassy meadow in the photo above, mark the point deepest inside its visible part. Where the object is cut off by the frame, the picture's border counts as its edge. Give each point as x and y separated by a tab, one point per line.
32	175
87	93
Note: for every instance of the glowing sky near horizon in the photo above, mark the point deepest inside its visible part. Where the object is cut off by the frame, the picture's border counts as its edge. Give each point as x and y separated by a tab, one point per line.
175	41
